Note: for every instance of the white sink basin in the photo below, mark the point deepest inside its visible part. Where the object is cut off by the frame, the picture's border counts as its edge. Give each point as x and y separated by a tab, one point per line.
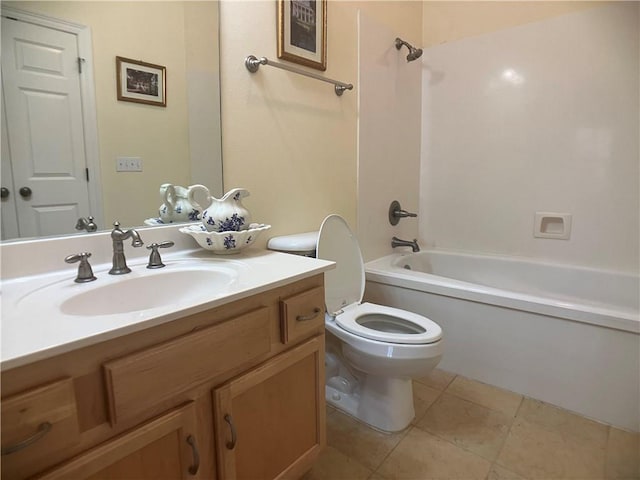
158	290
139	291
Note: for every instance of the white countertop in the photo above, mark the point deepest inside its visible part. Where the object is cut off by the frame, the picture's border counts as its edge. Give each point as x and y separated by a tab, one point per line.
34	330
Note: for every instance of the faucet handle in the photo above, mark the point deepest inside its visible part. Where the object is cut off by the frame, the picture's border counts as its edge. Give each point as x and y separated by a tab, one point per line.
396	212
86	224
85	273
154	258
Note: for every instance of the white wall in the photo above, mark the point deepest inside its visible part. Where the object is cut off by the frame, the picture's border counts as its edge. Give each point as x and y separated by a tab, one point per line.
539	117
388	136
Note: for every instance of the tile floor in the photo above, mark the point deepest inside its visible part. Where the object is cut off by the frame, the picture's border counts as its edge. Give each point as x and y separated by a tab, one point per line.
464	429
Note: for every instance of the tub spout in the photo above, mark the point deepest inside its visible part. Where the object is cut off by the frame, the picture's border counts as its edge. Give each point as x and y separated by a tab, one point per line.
397	242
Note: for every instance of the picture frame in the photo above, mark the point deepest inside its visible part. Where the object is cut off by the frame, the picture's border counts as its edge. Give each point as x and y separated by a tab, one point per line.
141	82
302	32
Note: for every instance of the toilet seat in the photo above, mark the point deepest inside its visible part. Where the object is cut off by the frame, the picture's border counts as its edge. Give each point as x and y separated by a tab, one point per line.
388	324
344	289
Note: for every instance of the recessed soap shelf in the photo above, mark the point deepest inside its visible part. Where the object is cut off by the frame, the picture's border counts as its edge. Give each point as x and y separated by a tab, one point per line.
552	225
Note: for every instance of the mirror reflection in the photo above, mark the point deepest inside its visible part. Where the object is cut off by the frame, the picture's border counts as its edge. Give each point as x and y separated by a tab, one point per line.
70	148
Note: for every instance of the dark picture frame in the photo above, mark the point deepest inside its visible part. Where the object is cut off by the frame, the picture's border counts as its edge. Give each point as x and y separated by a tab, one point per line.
302	32
141	82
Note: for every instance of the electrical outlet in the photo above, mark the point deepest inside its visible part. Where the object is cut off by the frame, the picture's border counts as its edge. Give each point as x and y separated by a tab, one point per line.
128	164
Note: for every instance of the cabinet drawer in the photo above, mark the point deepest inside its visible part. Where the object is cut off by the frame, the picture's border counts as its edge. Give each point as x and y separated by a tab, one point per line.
302	314
154	375
37	425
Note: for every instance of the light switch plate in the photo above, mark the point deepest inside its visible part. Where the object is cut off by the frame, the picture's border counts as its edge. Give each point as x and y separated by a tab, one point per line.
128	164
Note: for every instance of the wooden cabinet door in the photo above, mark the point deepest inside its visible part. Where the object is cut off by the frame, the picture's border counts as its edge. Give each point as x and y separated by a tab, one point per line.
164	448
270	422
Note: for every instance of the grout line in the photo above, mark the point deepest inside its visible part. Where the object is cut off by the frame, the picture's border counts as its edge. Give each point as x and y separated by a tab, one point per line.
404	435
506	437
606	451
438	397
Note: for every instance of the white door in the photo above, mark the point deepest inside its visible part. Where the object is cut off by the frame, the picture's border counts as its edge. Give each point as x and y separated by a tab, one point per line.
41	88
8	216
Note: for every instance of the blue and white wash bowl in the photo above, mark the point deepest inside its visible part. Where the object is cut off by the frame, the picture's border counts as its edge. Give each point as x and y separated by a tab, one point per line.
228	242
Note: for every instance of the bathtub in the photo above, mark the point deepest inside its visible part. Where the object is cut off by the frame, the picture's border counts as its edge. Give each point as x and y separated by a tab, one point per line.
567	335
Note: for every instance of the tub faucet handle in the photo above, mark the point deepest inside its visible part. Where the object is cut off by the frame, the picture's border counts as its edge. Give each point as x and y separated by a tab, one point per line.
396	213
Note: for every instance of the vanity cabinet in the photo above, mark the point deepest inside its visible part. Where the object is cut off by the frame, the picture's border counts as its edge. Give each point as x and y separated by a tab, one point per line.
233	392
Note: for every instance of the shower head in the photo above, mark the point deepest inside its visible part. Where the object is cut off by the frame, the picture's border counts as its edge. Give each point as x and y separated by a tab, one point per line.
414	53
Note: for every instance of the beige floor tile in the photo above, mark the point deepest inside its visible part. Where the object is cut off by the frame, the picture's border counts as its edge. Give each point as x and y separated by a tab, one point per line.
468	425
421	455
538	452
438	379
486	395
500	473
568	424
377	476
423	398
334	465
623	455
358	441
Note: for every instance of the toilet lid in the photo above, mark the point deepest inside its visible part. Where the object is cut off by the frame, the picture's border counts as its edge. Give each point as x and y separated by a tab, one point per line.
344	285
300	242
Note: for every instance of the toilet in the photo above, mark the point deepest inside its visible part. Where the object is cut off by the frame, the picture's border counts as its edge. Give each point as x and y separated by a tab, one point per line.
372	351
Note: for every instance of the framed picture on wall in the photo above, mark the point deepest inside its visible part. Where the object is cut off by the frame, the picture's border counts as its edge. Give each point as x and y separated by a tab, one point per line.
141	82
302	32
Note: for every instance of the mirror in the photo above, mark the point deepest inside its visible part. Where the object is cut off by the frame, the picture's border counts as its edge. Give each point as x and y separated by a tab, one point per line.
179	143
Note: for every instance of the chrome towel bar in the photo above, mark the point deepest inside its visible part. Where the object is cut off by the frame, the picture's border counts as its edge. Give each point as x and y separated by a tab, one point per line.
253	63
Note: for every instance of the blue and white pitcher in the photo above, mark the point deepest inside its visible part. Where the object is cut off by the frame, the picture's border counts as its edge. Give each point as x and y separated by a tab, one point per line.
227	213
177	205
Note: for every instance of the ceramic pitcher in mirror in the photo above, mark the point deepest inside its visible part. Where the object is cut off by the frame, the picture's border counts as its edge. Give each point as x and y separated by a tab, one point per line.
177	205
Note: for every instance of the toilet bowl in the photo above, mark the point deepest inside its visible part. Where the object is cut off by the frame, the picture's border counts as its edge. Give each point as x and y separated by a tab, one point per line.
372	351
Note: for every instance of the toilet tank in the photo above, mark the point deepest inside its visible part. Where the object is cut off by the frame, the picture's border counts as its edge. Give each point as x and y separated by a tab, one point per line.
299	244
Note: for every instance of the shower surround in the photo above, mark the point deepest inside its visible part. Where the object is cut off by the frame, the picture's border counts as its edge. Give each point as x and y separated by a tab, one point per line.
542	117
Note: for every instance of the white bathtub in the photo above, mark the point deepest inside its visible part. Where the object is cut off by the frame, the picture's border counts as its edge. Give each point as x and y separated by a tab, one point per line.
566	335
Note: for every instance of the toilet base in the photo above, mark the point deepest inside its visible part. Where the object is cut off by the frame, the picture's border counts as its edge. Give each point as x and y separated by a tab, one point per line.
384	403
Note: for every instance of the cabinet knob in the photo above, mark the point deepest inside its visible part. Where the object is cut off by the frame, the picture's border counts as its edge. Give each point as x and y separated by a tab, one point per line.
25	192
4	192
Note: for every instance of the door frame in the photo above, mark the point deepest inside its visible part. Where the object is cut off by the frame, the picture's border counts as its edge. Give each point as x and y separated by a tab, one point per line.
87	93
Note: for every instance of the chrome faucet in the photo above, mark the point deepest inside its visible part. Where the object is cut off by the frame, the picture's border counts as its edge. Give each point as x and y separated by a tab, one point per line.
118	236
86	224
396	242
